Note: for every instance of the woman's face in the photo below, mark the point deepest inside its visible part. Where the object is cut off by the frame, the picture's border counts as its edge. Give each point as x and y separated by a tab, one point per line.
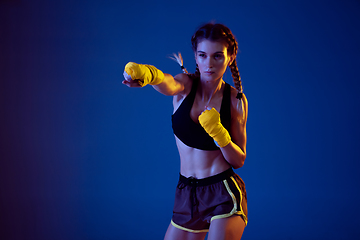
212	59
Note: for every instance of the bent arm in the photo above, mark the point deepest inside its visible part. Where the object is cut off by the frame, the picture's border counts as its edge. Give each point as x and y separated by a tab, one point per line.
235	152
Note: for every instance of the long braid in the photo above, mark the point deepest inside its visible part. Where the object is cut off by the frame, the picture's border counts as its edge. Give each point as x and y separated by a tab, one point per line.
178	58
196	74
233	47
237	79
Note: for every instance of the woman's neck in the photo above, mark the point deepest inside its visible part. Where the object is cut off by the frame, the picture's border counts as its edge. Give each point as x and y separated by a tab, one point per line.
208	89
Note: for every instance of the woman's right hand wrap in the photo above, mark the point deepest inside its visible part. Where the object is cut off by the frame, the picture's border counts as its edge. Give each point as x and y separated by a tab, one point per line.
210	121
144	74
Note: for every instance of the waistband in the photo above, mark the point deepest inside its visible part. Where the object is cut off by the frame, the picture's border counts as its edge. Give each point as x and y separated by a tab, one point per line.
207	181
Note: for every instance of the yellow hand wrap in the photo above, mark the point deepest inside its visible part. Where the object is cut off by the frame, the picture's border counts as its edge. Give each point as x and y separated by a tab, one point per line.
144	74
210	121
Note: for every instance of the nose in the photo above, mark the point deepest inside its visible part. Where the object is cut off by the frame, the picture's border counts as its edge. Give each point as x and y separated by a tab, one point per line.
209	62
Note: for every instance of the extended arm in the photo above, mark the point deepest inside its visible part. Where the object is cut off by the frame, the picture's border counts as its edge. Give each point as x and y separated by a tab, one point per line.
139	75
171	85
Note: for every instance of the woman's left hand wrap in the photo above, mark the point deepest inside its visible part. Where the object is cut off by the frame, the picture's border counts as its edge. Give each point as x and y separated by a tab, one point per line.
210	121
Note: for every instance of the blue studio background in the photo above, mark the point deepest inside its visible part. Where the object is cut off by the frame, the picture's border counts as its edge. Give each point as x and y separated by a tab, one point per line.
84	157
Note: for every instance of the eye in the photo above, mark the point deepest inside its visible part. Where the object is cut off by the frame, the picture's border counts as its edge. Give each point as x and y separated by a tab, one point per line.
218	56
202	55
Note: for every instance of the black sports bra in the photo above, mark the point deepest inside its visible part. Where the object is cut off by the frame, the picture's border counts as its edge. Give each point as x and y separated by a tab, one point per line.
192	134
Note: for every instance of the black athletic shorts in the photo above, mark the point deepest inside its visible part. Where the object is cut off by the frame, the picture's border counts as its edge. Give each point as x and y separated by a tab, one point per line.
199	201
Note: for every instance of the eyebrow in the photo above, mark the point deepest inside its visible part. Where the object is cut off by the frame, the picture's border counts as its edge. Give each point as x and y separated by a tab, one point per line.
214	52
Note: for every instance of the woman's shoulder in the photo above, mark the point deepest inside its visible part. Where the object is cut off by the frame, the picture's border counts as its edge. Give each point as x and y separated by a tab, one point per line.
184	78
186	81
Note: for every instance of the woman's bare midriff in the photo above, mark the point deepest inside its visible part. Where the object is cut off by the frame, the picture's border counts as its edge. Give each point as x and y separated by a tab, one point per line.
200	163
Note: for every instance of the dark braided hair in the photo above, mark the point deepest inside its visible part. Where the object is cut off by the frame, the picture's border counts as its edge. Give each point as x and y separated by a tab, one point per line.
219	32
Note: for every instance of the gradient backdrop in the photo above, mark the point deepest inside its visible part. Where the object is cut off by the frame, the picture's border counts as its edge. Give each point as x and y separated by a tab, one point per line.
84	157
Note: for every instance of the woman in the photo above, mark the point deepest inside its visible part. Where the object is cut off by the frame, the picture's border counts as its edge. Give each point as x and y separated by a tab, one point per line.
209	123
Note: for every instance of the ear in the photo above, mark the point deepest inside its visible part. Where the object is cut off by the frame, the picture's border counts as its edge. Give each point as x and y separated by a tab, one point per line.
232	58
